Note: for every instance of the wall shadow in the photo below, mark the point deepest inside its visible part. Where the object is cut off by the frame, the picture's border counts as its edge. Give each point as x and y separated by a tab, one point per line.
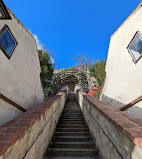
135	111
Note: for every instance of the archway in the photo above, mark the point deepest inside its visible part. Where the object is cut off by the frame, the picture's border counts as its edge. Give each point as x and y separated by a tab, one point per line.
71	78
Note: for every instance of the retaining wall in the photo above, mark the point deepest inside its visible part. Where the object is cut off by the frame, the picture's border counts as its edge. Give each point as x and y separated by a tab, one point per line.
117	135
28	135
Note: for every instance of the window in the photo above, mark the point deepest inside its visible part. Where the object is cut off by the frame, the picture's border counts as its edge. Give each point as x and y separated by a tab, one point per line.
4	14
7	41
135	47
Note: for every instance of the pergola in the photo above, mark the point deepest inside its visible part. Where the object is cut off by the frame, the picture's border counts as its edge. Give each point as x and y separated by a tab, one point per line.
71	78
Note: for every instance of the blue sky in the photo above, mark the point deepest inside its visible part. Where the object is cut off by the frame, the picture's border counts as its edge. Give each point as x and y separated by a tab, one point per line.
69	26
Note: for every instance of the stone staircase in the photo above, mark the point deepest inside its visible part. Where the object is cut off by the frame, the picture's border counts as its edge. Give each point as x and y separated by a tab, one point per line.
72	138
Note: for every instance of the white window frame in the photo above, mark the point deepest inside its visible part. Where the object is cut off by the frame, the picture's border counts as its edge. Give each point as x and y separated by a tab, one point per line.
138	33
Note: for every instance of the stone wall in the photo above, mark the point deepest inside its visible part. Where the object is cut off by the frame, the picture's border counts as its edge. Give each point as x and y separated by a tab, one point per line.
117	135
28	135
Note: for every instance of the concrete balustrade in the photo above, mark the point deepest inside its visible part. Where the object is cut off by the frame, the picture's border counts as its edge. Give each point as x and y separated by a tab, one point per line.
117	135
28	135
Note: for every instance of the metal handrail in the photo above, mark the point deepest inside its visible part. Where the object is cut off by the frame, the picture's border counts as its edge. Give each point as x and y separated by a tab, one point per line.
131	104
12	103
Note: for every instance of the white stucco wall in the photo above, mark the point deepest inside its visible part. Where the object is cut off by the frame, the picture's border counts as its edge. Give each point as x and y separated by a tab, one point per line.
20	76
123	77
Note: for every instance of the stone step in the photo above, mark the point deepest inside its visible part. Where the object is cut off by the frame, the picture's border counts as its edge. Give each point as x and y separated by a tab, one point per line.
70	157
72	118
71	114
74	114
72	108
72	145
72	122
72	138
73	152
72	105
72	126
72	130
72	133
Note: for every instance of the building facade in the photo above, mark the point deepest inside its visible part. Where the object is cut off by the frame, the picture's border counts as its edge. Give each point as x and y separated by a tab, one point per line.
123	82
19	67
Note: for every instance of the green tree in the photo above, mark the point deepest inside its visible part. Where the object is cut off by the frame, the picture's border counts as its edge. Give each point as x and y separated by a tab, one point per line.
97	70
47	69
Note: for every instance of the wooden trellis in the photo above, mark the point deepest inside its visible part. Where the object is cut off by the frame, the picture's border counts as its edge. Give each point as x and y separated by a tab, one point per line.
71	77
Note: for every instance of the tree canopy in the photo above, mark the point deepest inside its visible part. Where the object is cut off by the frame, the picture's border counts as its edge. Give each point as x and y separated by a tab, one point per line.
97	70
47	69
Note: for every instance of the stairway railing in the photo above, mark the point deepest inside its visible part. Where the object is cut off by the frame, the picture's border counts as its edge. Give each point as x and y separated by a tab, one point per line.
12	103
131	103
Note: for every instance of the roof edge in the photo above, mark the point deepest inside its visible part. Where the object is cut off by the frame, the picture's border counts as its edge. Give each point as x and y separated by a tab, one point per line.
134	11
21	24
